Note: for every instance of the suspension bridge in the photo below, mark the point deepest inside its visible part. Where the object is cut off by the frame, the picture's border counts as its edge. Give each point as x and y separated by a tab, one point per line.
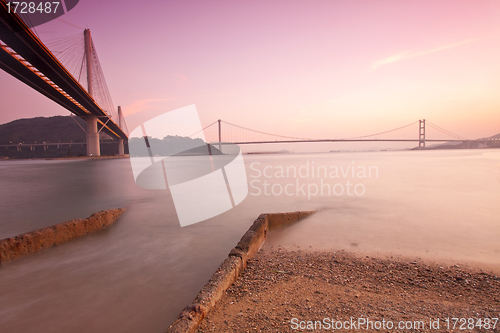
25	57
421	131
61	75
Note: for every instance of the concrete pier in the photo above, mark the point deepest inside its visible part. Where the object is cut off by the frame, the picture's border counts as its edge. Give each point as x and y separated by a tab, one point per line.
35	241
121	149
228	271
93	148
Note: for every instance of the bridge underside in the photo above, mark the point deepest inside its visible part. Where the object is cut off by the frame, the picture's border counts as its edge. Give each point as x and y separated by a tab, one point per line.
15	68
26	58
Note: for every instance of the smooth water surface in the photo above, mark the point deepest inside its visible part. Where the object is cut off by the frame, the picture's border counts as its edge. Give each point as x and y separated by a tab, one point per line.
137	275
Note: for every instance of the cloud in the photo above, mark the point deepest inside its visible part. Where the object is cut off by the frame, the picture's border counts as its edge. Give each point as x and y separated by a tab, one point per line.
143	104
407	55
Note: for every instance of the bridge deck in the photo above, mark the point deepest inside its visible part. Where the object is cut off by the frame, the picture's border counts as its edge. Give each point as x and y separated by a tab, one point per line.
17	36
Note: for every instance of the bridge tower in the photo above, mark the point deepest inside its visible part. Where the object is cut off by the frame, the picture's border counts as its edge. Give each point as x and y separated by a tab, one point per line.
220	135
121	150
421	134
93	148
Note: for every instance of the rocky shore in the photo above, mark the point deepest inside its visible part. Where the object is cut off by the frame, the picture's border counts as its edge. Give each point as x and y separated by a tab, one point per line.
281	290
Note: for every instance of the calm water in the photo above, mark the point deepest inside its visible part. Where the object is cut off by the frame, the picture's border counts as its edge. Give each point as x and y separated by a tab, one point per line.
137	275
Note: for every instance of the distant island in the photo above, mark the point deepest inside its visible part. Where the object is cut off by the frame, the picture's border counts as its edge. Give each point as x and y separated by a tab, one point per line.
171	145
474	144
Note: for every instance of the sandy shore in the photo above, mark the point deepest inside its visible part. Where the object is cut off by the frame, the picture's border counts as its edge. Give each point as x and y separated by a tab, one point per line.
282	289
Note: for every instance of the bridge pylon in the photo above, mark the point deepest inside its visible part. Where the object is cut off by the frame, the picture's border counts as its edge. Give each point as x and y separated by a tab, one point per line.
220	135
121	150
421	134
93	146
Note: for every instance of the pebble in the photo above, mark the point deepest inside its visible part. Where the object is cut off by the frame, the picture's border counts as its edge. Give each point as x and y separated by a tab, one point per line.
342	285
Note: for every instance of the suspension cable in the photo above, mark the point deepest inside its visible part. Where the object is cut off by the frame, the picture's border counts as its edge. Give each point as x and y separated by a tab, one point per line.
202	129
385	132
265	133
445	131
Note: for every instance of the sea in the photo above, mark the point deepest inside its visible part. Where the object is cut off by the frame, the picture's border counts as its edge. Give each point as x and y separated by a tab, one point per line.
137	275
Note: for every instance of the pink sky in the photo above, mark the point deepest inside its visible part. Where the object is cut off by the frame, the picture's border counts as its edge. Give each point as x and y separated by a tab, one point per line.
298	68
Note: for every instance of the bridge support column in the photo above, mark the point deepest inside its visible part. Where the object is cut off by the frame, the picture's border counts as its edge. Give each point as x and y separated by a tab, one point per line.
421	134
121	122
93	148
121	149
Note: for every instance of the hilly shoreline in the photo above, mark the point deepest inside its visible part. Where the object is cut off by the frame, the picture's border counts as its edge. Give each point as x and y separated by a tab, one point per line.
57	129
69	129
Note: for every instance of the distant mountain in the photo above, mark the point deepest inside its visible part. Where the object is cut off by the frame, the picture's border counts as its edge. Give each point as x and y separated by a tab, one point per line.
462	145
67	129
171	145
201	150
51	130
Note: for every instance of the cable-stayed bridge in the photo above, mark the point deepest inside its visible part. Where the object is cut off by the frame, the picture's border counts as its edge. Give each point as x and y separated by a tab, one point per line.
420	131
62	79
24	56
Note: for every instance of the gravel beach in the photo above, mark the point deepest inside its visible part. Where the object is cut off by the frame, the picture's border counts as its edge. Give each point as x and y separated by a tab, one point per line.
289	291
